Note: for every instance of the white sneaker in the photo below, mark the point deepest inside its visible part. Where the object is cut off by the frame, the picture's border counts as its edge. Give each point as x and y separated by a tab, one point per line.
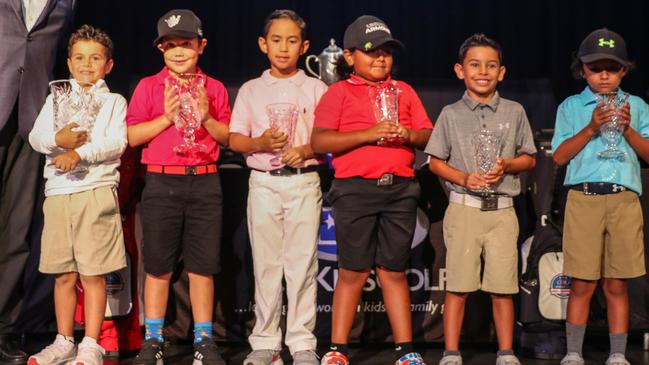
617	359
263	357
89	353
306	357
451	360
507	360
60	352
572	358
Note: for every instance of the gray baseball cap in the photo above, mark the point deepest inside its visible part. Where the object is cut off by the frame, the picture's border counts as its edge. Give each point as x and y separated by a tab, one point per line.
368	33
603	44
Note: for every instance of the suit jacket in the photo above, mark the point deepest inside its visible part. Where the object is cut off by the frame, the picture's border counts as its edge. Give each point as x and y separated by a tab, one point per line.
27	58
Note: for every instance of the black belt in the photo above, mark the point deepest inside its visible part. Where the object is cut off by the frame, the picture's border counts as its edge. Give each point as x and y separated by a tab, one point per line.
598	188
290	171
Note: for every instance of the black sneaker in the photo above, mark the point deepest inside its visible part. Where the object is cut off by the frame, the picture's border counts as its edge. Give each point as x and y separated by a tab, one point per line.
206	353
151	353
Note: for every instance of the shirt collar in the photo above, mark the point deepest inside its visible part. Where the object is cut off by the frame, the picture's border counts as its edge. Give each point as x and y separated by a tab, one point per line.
357	80
298	78
473	104
164	73
587	96
100	86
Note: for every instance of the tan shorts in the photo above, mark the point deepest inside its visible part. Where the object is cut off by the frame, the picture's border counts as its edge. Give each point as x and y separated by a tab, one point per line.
82	233
603	233
470	234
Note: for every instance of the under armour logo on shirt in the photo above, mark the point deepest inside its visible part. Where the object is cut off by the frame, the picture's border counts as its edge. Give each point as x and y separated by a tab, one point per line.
172	21
603	42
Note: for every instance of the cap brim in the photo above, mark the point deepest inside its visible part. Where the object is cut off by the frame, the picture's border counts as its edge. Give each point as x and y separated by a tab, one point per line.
176	33
594	57
394	43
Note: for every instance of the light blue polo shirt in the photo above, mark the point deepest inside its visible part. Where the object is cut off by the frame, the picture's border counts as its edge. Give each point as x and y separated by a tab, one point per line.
572	116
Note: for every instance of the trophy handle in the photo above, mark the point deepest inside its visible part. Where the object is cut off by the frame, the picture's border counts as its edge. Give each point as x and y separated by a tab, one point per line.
306	63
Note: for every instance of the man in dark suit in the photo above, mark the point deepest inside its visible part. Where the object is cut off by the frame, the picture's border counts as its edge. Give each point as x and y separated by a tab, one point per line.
30	32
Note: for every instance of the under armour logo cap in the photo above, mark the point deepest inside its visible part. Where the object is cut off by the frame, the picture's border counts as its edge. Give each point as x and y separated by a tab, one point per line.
368	33
178	23
603	44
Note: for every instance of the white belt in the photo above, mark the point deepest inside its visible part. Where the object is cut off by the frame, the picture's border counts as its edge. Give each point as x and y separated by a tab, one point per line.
476	202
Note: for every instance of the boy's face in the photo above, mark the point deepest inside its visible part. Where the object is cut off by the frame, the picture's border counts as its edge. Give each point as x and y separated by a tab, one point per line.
603	76
283	45
88	62
481	72
181	54
373	66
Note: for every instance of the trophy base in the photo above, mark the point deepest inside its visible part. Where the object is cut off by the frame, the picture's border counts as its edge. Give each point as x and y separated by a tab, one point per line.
612	155
188	149
391	141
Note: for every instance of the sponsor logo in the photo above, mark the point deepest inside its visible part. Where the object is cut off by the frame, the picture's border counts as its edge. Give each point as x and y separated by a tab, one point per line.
114	283
172	21
603	42
560	286
376	27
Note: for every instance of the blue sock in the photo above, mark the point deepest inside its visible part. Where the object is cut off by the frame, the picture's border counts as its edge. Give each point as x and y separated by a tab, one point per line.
202	330
153	328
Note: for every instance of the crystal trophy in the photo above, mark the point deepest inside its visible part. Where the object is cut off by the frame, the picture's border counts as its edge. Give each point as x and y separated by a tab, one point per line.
611	132
283	118
188	119
385	102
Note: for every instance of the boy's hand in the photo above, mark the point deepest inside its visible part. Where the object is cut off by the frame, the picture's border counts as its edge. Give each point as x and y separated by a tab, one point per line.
172	103
381	130
624	117
601	115
203	104
66	161
272	140
494	176
69	139
294	157
474	181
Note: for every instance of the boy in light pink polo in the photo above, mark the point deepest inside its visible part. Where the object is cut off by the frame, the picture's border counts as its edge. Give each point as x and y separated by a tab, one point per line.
284	200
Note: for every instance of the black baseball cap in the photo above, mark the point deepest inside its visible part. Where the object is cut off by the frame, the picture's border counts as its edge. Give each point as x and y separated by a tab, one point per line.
603	44
178	23
368	33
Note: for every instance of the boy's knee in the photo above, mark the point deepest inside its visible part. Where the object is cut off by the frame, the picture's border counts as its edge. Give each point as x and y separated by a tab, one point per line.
392	276
351	277
92	280
614	287
66	280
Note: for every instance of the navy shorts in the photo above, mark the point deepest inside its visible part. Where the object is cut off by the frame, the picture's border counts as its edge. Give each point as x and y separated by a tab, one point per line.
181	218
374	224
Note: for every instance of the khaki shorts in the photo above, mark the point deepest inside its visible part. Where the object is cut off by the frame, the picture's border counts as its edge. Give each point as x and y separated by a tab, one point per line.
470	234
602	236
82	233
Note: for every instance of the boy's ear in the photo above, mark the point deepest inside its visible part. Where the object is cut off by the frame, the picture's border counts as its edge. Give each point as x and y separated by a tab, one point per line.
347	55
305	47
263	46
501	73
459	71
201	45
109	66
159	46
69	65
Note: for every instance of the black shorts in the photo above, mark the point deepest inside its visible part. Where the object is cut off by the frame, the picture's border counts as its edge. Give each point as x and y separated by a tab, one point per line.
182	217
374	224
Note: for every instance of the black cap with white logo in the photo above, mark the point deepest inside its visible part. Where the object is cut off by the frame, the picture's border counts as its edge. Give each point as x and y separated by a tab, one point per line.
178	23
368	33
603	44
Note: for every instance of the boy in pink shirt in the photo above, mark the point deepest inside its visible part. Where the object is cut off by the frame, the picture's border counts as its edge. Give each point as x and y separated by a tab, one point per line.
284	198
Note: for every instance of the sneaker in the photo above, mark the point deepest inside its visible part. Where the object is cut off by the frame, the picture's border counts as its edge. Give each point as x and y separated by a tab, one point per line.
150	354
61	351
89	354
263	357
451	360
617	359
412	358
334	358
306	357
572	358
206	353
507	360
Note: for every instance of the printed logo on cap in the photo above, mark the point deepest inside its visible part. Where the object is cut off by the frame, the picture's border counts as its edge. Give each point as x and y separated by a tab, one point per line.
172	21
603	42
560	286
367	46
376	27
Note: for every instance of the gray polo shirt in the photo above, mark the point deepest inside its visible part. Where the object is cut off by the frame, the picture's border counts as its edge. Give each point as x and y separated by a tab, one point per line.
451	140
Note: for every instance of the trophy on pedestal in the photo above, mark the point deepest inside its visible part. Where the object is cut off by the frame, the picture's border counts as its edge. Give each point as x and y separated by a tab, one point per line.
188	119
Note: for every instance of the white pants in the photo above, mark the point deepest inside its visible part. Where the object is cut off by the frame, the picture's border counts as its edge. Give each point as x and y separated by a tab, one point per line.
283	222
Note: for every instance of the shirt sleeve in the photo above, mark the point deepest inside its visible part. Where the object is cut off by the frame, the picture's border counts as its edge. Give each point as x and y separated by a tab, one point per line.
241	121
329	109
524	136
438	144
219	103
111	144
562	127
42	136
139	109
642	117
418	114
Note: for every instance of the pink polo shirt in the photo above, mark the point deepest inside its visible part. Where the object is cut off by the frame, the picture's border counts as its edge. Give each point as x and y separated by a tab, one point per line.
347	107
249	114
147	103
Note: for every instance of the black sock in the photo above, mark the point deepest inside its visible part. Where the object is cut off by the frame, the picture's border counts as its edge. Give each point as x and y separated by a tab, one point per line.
403	348
340	347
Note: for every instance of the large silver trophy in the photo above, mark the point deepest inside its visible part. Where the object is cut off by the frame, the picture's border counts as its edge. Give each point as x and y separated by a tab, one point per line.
283	118
327	61
385	102
611	132
75	102
487	147
188	119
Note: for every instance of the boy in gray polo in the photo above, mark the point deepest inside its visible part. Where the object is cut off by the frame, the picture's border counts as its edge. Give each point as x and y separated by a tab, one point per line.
479	224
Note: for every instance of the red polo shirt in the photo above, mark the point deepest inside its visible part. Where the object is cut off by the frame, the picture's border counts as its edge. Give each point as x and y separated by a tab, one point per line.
147	103
346	107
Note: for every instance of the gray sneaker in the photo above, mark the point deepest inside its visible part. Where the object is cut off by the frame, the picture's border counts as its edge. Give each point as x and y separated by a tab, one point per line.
507	360
89	354
617	359
306	357
61	351
572	358
451	360
263	357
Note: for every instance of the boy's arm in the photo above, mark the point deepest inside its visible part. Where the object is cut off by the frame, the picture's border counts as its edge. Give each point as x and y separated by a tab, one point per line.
636	138
219	131
145	131
471	181
417	138
325	140
270	141
110	146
